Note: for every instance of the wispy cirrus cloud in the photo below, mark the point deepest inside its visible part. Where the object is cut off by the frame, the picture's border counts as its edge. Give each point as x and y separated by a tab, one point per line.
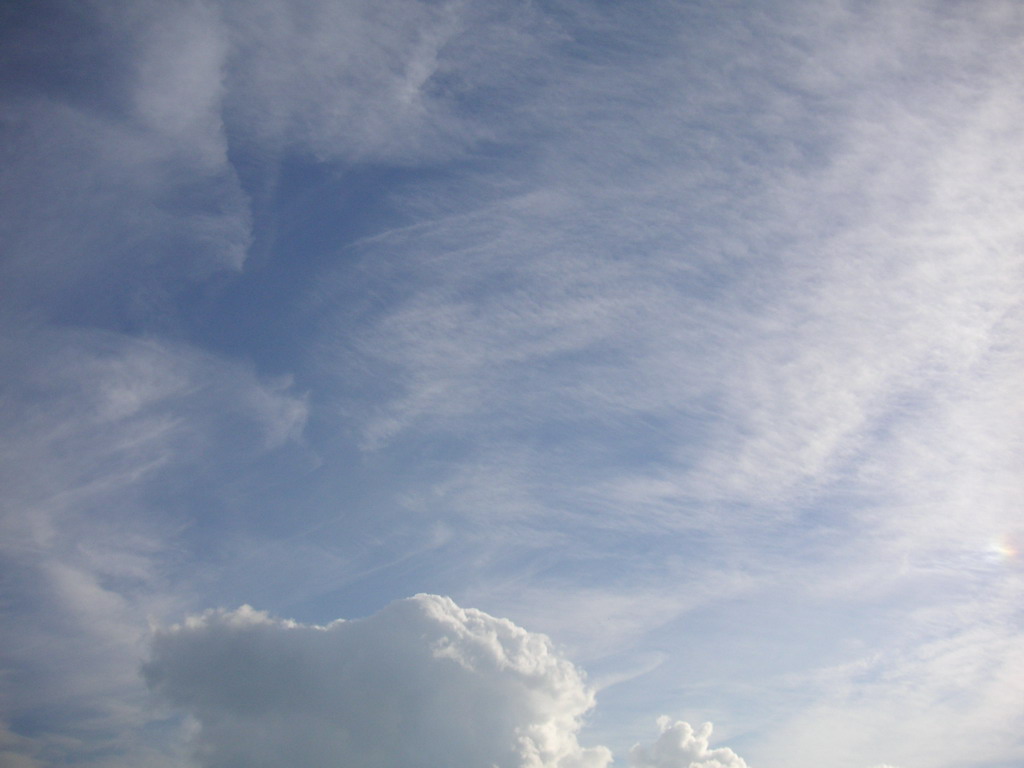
882	294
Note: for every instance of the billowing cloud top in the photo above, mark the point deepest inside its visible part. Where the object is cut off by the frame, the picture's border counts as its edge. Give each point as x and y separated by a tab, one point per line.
679	746
421	683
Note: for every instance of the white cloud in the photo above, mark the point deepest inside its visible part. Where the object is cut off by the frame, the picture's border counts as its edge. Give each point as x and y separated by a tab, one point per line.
679	746
421	683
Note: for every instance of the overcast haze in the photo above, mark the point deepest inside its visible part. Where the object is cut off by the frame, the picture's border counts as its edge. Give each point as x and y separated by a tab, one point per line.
542	384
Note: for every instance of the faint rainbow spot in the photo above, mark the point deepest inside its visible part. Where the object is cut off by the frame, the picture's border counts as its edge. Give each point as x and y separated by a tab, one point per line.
1006	546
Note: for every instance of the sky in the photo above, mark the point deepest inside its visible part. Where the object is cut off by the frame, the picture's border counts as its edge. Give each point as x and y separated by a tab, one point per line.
512	383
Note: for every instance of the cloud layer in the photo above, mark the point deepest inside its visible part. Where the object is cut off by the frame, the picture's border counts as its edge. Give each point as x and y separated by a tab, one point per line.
635	322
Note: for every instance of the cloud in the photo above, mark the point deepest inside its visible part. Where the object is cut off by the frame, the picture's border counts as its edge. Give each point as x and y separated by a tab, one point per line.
960	670
117	192
89	414
679	746
391	82
96	426
15	751
421	683
771	315
710	276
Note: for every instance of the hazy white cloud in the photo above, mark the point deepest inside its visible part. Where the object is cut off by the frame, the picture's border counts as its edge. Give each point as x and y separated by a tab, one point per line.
15	751
955	664
342	81
422	682
95	428
116	195
393	82
89	413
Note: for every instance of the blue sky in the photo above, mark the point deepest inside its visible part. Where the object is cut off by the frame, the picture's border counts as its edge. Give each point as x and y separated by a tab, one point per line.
512	383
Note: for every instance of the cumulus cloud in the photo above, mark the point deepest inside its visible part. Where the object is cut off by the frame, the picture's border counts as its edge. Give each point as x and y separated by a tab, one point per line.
421	683
679	746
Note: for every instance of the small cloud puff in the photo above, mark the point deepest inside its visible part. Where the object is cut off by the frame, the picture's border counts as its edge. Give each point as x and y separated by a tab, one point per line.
679	746
421	683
